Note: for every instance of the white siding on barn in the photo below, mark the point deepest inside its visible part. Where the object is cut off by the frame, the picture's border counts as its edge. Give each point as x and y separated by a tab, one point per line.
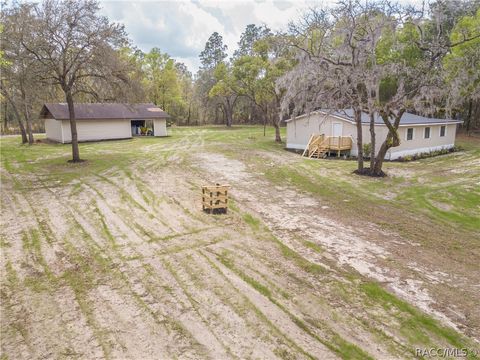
91	130
160	127
53	130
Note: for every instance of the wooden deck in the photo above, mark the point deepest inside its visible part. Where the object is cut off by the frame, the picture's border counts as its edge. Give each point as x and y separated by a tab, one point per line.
319	145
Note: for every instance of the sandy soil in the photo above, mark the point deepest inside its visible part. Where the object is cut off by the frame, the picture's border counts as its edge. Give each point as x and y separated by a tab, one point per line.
150	302
125	265
292	215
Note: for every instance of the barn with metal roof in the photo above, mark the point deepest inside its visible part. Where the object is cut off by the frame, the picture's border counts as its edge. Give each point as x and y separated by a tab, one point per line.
104	121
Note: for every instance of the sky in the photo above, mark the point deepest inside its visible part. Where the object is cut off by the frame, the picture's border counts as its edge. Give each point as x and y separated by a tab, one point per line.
181	28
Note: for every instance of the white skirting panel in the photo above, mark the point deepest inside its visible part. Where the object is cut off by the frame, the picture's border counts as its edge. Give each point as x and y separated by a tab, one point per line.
296	146
393	155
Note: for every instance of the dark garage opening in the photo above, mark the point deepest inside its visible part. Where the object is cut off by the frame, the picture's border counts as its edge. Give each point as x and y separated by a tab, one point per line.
142	127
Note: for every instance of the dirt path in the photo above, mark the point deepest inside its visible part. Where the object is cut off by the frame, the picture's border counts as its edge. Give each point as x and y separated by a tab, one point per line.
292	216
123	264
125	287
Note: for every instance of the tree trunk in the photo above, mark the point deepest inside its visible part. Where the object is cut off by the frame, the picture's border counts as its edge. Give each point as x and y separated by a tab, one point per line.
278	137
228	114
22	130
216	115
17	116
29	129
228	106
358	122
5	119
469	116
372	140
392	140
21	126
276	123
476	113
376	170
73	128
26	114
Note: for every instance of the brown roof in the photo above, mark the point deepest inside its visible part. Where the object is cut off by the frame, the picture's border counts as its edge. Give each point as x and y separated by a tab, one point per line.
103	111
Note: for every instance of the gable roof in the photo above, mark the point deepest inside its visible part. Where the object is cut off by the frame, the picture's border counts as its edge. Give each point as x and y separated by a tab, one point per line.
407	118
95	111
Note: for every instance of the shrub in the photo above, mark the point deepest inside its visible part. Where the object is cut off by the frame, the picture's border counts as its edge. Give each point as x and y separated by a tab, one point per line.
366	150
426	155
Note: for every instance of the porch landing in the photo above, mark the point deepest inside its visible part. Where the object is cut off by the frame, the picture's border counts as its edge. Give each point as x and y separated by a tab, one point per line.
319	145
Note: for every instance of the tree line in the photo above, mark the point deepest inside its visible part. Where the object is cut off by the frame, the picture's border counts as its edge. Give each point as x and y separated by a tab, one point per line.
378	58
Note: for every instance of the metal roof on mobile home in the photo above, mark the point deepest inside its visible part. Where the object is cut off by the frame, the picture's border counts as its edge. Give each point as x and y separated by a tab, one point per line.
407	118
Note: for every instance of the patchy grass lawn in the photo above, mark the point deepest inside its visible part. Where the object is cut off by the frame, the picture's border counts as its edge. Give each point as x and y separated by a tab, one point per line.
113	258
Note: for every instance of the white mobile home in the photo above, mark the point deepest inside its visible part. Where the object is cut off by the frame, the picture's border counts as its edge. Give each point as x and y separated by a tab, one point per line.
418	134
104	121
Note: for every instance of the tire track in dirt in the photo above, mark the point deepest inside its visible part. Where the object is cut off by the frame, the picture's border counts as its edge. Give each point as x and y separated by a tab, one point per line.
134	282
238	328
88	229
144	250
307	345
242	324
158	286
156	266
37	307
310	295
301	215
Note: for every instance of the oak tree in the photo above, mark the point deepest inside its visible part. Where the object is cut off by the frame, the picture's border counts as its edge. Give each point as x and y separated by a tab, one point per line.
76	49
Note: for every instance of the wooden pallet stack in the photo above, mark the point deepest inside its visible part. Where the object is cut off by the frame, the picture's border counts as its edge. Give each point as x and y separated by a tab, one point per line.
215	198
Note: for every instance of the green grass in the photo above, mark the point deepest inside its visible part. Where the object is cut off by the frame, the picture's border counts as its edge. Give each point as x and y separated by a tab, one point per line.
253	222
416	325
449	179
228	262
50	160
315	247
287	252
12	277
106	231
40	281
442	192
299	260
301	177
335	342
461	204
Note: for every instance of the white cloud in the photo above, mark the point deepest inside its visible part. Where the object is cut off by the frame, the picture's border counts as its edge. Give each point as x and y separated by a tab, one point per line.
181	28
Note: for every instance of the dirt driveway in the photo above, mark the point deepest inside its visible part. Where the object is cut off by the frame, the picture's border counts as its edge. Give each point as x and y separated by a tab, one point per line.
119	262
298	219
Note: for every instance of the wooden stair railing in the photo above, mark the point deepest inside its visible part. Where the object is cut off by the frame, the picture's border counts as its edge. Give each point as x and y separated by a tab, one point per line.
319	149
308	145
318	145
314	140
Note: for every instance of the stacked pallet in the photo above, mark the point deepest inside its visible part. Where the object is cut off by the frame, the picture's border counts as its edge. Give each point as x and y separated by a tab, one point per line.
215	198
